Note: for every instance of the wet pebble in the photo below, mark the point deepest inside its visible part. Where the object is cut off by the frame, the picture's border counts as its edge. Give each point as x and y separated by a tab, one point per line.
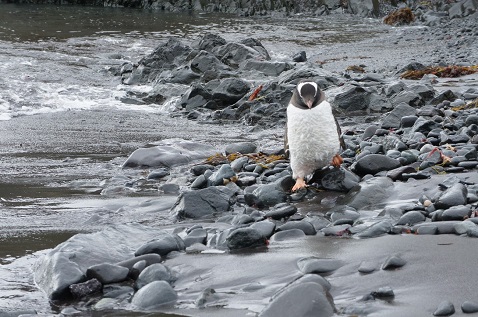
154	272
303	225
456	213
107	273
266	228
445	308
162	245
453	196
375	230
393	262
469	307
242	147
319	266
245	238
289	234
154	295
367	267
411	218
385	292
282	212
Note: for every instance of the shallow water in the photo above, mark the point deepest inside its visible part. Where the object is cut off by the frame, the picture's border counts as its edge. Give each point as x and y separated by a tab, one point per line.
64	131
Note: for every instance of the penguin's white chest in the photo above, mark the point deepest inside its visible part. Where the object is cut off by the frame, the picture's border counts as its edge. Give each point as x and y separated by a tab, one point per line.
312	137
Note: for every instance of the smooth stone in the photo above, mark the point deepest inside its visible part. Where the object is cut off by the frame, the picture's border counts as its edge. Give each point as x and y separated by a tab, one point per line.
375	230
117	291
106	304
318	266
469	307
411	218
303	225
198	235
428	229
265	227
445	308
149	258
289	234
199	183
225	172
238	164
158	174
154	272
162	245
367	267
280	213
456	213
338	230
300	300
245	238
169	153
393	262
154	295
201	169
107	273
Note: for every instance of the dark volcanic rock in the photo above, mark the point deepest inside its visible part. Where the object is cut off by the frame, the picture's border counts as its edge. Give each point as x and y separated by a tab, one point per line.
86	288
203	203
354	99
265	227
167	242
303	225
154	295
229	91
394	119
169	153
456	213
453	196
165	57
282	212
374	163
107	273
266	195
245	238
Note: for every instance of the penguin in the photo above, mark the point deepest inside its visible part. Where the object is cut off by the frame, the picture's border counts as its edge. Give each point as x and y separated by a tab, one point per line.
313	138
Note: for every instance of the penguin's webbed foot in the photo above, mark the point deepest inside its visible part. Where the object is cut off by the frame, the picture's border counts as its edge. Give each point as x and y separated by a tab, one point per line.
337	160
299	183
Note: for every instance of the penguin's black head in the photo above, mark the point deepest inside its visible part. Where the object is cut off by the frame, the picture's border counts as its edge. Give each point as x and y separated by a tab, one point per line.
307	95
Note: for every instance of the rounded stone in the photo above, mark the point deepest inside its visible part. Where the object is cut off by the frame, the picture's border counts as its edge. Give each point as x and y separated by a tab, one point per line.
154	295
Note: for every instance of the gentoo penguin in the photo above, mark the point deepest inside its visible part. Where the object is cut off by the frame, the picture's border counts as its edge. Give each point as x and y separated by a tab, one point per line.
312	134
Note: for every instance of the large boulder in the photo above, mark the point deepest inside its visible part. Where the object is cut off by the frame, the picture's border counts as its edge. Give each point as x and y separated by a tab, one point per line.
166	56
67	263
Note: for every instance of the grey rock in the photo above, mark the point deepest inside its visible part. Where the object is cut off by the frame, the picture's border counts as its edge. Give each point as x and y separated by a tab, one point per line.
375	230
86	288
383	292
318	266
229	91
302	225
354	99
411	218
162	245
203	203
394	119
169	153
209	41
117	291
225	172
66	264
149	258
367	267
453	196
241	147
198	235
267	195
154	295
154	272
300	57
370	192
469	307
374	163
282	212
265	227
265	67
310	299
445	308
245	238
393	262
233	54
290	234
408	97
456	213
107	273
